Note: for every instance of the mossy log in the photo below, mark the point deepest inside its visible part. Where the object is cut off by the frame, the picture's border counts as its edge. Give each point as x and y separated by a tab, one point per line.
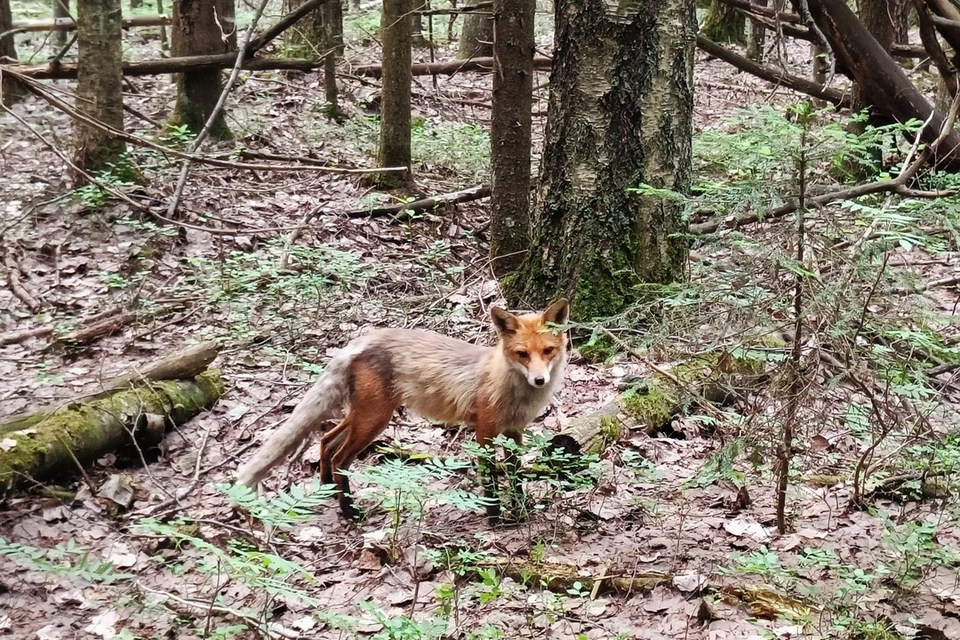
651	404
186	363
79	434
559	577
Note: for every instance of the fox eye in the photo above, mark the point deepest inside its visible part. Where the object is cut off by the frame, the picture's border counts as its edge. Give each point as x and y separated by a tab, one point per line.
523	355
548	350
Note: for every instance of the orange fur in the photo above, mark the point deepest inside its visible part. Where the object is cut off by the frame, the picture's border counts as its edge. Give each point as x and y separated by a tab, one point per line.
495	390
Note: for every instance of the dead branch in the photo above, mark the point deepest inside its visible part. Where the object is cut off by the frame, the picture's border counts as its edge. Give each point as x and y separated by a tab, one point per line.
446	68
774	75
20	336
16	284
68	70
928	35
67	24
402	211
39	90
560	576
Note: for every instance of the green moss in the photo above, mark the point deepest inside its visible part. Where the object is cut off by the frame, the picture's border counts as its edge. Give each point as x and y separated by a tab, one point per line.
610	429
652	407
600	348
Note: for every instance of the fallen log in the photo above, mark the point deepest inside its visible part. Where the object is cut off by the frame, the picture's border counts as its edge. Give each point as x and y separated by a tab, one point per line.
186	363
67	24
402	211
52	448
881	79
68	70
446	68
774	75
559	577
656	400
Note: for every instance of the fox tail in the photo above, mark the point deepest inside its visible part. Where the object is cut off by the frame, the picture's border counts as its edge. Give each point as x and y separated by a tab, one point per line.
324	401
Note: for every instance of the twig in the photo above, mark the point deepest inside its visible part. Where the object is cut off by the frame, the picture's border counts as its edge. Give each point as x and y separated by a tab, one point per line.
16	285
296	234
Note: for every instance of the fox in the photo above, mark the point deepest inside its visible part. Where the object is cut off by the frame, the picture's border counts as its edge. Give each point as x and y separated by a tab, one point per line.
492	389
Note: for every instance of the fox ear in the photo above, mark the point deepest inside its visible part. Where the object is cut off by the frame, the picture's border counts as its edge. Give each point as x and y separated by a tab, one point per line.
557	312
504	321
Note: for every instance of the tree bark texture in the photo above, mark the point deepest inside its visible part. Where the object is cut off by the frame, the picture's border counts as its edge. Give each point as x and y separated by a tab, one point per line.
306	38
725	24
201	27
395	93
883	81
510	133
332	19
10	90
476	38
99	84
620	115
61	9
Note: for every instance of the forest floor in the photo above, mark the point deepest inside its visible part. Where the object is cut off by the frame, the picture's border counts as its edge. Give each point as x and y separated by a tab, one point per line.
674	506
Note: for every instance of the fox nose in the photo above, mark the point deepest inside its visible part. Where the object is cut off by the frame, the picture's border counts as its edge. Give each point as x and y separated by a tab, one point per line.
540	381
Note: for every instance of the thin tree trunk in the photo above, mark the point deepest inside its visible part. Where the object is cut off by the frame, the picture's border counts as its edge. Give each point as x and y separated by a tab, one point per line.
757	38
61	9
476	39
620	117
332	19
10	90
201	28
164	45
510	133
99	84
395	93
416	26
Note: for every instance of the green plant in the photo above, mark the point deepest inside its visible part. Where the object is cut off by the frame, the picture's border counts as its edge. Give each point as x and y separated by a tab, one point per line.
66	559
402	627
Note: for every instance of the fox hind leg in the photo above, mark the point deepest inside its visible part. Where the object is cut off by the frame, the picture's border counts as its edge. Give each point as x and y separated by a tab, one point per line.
372	404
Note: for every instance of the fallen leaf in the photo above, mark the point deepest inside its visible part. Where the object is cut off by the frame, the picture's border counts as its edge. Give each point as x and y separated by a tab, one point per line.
104	625
7	444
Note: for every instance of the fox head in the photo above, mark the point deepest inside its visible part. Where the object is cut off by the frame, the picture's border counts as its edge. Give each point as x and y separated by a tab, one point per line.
530	345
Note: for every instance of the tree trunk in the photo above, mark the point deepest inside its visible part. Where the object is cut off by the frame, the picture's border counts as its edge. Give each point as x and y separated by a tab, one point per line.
620	116
306	38
332	19
10	90
84	432
99	84
201	28
395	93
135	4
881	79
887	23
724	24
476	39
61	9
513	47
418	40
757	38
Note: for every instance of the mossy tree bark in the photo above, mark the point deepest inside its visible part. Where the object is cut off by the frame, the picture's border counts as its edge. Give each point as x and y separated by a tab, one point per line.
620	116
418	40
201	28
476	38
10	91
99	84
395	93
725	24
61	9
510	133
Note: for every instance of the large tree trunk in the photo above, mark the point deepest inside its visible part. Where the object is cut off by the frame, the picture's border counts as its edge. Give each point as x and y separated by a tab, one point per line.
201	28
620	116
395	93
10	91
476	39
99	84
61	9
305	39
84	432
724	24
882	80
886	20
510	133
